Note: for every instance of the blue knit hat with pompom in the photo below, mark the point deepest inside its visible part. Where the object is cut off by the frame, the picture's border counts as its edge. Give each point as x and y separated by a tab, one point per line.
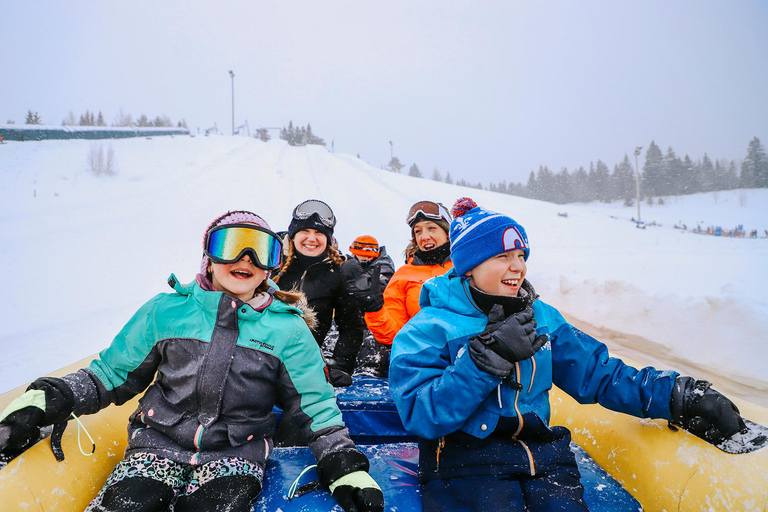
478	234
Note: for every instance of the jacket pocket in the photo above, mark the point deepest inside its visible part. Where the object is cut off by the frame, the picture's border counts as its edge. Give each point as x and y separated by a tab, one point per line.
241	433
155	410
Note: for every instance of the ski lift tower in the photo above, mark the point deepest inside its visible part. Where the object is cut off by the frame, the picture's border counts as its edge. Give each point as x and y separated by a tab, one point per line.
244	125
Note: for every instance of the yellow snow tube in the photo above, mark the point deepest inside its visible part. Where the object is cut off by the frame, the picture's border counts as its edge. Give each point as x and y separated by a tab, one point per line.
35	481
666	471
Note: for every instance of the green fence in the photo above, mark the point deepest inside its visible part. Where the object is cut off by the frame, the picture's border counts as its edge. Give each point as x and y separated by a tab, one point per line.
36	132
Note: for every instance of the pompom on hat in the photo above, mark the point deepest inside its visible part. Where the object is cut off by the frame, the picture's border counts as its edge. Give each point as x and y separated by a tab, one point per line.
365	245
478	234
233	217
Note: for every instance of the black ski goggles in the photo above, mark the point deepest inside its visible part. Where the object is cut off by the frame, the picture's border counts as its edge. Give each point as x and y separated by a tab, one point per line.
312	207
230	242
429	210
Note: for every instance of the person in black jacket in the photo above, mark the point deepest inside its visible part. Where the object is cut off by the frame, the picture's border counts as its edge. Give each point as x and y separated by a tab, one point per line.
312	267
375	263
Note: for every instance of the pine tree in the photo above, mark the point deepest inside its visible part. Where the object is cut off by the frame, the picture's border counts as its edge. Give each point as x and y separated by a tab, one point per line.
561	191
623	180
651	182
100	120
448	178
754	168
436	176
532	187
580	186
395	164
707	176
673	179
689	182
33	118
414	171
600	181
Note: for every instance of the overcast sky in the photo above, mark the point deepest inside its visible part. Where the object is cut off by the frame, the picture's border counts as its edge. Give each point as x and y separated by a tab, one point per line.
487	90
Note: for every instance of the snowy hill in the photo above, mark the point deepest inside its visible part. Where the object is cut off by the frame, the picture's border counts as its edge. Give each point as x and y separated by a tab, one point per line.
82	253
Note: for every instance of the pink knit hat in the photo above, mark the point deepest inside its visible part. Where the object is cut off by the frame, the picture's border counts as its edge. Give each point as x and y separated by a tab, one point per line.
234	217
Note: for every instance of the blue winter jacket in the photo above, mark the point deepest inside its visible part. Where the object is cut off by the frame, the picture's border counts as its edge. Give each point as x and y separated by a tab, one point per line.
438	389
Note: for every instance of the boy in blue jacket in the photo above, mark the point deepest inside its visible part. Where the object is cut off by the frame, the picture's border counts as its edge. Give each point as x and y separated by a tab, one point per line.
471	372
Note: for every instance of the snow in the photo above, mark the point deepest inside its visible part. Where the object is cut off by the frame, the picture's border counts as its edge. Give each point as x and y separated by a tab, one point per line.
81	253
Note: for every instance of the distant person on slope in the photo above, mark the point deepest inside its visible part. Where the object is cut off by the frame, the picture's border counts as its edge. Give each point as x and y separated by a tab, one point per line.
471	373
214	357
312	267
375	264
428	255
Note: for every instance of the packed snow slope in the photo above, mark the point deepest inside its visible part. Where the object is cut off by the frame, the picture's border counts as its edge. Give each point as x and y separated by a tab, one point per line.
81	253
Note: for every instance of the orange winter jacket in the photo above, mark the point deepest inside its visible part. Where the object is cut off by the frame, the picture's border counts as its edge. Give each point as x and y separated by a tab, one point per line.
401	299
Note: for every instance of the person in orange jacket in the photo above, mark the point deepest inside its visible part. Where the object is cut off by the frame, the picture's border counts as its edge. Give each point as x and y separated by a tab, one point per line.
427	256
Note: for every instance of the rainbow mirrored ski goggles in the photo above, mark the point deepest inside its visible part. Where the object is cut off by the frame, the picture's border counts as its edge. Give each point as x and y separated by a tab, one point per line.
230	242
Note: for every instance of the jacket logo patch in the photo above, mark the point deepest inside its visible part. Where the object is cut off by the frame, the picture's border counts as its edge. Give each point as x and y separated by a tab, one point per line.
261	344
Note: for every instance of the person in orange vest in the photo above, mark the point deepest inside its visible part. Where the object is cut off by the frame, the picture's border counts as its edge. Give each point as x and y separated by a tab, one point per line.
427	256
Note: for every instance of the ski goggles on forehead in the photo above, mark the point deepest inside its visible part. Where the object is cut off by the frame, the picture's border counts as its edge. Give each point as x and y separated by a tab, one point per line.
429	210
315	207
229	243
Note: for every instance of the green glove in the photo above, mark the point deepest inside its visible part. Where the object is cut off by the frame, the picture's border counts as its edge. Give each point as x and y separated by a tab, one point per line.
20	423
47	401
345	472
358	492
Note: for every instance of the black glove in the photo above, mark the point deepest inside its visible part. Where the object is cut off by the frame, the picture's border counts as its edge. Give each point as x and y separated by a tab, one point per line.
704	412
363	286
513	338
488	360
47	401
345	473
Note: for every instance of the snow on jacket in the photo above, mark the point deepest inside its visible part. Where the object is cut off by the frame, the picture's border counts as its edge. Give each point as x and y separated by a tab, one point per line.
401	298
328	297
219	366
438	389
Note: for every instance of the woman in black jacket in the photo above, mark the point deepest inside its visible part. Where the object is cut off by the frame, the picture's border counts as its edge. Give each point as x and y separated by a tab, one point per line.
312	267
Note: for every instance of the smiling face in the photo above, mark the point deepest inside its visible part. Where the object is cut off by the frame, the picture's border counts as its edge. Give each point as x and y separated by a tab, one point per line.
429	235
239	279
502	274
310	242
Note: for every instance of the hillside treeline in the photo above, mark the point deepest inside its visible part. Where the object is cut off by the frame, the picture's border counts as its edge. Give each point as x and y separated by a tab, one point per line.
661	174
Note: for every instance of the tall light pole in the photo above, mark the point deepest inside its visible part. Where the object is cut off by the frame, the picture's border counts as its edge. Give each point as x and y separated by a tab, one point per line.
637	182
391	151
232	76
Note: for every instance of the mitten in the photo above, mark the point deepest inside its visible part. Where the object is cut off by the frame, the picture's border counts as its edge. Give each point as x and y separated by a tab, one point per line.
345	473
46	401
363	286
704	412
514	337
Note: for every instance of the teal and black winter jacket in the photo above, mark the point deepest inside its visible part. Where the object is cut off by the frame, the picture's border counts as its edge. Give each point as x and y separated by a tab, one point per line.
215	367
438	389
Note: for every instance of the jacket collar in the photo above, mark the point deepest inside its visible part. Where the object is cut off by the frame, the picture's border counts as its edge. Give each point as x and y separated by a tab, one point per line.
210	300
451	292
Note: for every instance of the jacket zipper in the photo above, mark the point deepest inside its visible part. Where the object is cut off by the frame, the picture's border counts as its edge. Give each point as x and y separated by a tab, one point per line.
440	446
531	465
198	437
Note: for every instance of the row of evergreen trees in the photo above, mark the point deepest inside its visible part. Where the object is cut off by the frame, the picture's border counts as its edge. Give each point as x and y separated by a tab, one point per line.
300	136
92	119
662	174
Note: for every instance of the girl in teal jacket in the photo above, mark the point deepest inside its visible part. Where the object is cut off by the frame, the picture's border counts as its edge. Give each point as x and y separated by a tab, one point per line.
214	357
470	375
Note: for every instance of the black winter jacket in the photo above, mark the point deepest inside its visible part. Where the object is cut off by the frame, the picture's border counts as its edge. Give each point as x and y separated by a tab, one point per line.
329	299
